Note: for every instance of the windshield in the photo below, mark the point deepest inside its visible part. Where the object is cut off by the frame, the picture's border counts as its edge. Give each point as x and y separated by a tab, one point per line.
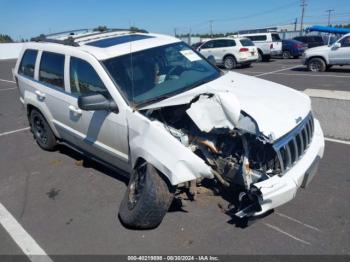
151	75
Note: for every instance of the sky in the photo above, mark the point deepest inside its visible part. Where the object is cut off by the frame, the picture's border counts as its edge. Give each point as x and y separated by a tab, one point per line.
25	19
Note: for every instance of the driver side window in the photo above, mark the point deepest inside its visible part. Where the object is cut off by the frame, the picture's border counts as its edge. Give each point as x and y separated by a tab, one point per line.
84	79
345	42
209	44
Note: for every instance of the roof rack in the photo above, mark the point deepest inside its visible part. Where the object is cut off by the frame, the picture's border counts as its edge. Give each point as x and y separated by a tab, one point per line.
110	30
70	40
43	38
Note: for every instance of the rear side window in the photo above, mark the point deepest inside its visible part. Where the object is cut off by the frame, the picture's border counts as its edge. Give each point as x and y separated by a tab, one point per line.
52	69
246	42
257	37
27	65
275	37
224	43
84	79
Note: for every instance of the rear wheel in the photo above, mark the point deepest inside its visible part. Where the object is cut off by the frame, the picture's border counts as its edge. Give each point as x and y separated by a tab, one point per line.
147	198
286	55
266	58
260	56
316	65
42	132
230	62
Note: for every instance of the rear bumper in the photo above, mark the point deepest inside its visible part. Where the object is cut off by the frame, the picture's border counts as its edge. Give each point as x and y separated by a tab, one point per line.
277	190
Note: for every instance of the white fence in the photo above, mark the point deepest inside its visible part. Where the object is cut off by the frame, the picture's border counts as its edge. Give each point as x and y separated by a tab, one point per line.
10	50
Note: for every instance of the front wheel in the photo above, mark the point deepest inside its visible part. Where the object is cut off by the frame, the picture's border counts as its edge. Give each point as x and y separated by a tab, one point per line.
316	65
147	198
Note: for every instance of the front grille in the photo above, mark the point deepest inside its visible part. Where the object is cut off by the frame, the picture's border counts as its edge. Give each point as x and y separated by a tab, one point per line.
291	147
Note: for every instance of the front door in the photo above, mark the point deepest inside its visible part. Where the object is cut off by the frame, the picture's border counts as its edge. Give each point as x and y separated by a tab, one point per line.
341	55
101	133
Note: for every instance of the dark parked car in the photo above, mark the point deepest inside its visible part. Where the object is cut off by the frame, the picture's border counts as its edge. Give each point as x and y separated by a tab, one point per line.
292	48
311	40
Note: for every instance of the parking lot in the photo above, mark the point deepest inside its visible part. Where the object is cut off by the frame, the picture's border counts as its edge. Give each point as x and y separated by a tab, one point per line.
69	206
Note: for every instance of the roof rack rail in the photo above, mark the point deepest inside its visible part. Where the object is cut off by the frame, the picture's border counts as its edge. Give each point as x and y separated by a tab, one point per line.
70	40
110	30
43	38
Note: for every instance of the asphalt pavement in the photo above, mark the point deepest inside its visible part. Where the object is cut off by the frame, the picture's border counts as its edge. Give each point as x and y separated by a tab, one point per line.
69	206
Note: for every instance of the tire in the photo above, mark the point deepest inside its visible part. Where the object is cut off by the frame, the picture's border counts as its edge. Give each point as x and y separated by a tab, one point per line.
230	62
146	200
328	67
316	65
266	58
260	56
286	55
42	132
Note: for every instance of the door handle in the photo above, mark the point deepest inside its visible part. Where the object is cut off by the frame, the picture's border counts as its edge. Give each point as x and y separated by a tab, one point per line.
40	95
75	110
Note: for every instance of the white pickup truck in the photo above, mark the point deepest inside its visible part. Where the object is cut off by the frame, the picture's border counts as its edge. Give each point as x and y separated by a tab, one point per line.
268	44
319	59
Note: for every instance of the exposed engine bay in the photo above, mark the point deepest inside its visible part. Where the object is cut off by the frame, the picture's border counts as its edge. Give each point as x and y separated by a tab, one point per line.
237	153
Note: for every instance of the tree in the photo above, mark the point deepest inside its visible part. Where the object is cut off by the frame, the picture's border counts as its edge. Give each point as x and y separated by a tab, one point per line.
5	39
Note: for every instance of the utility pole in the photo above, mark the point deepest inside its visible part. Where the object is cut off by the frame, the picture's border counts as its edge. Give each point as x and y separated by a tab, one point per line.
211	28
303	5
295	24
175	33
329	15
190	36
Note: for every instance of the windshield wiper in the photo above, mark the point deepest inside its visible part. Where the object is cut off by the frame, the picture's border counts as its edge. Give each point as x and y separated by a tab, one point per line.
153	100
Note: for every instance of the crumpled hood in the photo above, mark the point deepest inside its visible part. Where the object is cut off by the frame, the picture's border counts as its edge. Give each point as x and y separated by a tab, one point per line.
276	109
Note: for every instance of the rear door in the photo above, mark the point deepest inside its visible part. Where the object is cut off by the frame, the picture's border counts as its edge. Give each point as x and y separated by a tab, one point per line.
51	91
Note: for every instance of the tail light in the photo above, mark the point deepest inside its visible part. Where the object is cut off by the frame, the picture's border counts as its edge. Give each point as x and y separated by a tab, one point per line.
298	45
271	46
243	49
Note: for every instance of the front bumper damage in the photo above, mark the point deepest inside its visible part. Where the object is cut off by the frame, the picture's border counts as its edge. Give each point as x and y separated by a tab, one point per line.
279	190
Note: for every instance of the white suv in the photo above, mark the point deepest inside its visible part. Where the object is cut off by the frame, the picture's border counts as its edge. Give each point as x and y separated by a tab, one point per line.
268	44
319	59
230	52
149	105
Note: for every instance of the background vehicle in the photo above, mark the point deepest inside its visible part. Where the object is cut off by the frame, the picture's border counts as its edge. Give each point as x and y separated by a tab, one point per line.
268	44
292	48
319	59
230	52
311	40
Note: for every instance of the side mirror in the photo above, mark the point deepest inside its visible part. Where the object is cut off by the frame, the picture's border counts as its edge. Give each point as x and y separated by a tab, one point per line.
211	60
94	102
337	45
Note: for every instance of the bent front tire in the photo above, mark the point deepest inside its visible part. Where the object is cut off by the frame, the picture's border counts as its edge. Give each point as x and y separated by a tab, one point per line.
146	200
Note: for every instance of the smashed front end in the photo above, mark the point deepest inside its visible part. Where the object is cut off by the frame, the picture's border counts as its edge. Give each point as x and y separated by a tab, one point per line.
265	173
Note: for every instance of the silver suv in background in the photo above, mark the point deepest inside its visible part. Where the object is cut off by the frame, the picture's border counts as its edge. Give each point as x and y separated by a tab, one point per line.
322	58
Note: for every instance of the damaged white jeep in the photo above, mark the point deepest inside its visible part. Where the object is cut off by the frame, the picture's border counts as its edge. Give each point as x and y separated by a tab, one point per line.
151	106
